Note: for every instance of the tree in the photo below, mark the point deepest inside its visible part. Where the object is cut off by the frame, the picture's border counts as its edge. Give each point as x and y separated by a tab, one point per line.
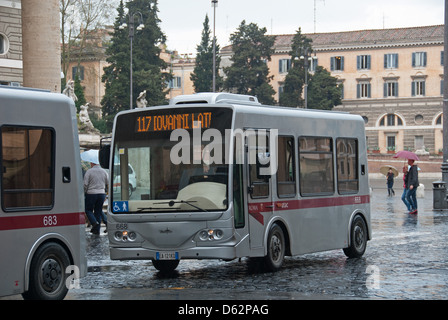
80	19
202	75
147	64
249	73
323	90
79	93
295	79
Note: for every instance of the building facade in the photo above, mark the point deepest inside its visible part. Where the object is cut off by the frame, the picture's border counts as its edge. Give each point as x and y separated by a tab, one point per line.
393	78
11	64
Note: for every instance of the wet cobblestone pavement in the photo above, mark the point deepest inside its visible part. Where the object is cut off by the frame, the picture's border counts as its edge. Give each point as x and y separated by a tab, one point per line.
407	259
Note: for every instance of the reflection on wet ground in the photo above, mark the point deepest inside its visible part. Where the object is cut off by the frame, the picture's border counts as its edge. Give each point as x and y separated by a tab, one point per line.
407	259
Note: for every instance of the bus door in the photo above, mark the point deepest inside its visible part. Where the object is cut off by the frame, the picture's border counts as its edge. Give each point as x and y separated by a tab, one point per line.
259	199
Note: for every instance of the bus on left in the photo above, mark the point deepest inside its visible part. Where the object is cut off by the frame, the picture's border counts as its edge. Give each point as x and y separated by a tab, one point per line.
42	223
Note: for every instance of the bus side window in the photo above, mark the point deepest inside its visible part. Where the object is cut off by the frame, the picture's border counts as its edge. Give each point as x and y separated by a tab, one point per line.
316	166
259	184
347	162
286	175
27	157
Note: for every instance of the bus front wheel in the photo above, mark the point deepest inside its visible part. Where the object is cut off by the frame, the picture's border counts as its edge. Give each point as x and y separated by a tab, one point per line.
276	249
47	273
358	238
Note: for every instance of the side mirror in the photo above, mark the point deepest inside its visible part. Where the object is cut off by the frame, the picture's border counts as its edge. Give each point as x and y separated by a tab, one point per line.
104	153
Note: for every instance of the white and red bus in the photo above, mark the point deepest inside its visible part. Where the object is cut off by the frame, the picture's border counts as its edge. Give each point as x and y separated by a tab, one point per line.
220	176
42	224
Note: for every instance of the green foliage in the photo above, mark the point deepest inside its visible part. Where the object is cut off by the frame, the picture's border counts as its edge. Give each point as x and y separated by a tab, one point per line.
323	90
147	64
79	92
249	73
295	79
202	75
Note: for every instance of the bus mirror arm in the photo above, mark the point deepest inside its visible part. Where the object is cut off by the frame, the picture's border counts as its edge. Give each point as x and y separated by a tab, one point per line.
250	189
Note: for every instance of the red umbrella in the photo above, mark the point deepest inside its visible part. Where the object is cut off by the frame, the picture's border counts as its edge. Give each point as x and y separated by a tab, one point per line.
406	155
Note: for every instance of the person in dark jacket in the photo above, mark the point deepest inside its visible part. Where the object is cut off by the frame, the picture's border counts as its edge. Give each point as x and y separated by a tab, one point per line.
412	185
390	183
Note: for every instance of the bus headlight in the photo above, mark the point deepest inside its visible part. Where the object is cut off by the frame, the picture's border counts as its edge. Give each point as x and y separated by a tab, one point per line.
211	234
118	235
203	235
125	235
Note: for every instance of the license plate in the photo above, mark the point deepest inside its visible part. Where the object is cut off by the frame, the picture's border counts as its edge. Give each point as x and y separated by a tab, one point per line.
167	255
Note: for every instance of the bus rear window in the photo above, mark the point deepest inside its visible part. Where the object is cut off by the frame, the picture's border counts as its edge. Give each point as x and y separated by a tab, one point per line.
27	161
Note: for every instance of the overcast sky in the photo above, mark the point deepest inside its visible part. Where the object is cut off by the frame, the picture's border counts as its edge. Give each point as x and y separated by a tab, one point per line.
182	19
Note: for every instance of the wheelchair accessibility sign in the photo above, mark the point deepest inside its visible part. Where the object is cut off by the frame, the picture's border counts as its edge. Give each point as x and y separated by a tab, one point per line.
120	206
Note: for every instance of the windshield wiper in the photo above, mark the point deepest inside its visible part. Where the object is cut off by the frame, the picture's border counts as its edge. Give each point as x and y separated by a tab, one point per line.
172	203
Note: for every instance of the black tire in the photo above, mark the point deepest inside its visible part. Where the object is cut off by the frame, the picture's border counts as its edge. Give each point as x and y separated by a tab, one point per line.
276	246
165	266
47	273
358	238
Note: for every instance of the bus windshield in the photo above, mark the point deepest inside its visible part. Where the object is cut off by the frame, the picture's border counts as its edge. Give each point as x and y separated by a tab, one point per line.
171	159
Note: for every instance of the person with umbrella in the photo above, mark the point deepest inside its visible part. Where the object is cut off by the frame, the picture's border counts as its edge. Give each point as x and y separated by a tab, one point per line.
390	182
411	180
412	185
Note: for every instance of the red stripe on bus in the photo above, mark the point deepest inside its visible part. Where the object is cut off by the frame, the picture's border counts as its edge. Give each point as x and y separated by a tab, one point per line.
42	221
256	209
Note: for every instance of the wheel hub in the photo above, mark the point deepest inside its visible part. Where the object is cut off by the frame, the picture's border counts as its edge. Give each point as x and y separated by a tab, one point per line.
51	274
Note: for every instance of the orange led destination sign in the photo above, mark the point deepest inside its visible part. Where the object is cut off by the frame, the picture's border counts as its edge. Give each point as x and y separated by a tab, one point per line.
169	122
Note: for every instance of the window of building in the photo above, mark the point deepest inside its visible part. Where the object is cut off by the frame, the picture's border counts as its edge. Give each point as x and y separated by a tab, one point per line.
286	176
391	120
418	119
316	166
175	83
418	59
363	90
439	119
363	62
284	65
391	61
337	63
347	165
391	142
78	71
27	159
390	89
3	44
418	88
313	63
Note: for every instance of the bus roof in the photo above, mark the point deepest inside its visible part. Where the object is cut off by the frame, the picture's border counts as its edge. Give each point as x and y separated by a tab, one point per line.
215	98
243	103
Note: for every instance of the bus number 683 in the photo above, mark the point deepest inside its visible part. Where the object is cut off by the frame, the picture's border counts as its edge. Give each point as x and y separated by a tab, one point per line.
50	221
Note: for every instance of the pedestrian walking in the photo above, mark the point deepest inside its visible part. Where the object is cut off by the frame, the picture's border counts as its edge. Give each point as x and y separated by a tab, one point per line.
412	185
96	181
390	183
405	189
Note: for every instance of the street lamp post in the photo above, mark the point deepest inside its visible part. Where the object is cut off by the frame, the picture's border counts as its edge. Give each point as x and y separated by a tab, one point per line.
214	5
131	38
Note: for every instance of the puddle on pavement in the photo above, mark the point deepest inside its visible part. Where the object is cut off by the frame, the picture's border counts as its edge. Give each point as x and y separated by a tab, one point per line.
111	268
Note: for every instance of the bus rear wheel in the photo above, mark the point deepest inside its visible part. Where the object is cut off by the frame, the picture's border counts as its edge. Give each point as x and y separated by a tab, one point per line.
165	266
358	238
276	249
47	273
